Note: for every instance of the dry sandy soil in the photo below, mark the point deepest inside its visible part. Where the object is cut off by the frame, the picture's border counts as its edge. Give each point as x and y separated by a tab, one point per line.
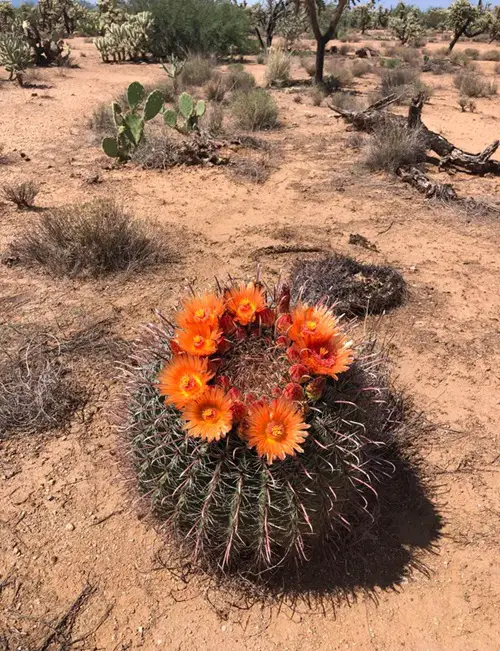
66	518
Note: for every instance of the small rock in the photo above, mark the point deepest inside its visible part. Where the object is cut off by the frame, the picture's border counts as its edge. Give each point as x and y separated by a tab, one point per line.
413	268
70	527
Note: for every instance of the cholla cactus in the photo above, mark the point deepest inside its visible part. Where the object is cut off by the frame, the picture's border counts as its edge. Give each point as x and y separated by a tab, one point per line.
173	70
130	122
126	40
15	55
406	26
7	15
254	450
185	120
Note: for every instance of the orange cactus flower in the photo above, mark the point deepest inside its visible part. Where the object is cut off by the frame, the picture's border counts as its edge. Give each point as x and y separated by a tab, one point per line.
209	417
183	379
276	429
244	302
199	340
312	324
329	357
201	310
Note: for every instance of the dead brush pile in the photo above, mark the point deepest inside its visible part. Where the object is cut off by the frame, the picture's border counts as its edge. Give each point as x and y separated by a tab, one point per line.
350	287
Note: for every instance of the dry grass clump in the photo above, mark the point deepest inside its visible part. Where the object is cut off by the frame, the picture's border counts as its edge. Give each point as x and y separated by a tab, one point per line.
398	81
491	55
21	194
254	110
278	67
356	140
466	104
34	392
438	66
350	287
101	121
237	78
317	95
251	169
393	145
339	74
473	84
309	65
344	49
497	69
196	71
361	67
215	89
213	120
346	101
92	239
472	53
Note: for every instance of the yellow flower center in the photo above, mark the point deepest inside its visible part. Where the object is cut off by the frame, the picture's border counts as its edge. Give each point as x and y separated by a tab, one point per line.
198	341
246	305
323	352
188	383
209	414
201	314
311	326
275	430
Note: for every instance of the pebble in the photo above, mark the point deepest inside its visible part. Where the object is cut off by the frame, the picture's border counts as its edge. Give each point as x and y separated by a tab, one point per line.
70	527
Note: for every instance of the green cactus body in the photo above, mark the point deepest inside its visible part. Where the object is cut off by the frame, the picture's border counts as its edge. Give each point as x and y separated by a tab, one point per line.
188	111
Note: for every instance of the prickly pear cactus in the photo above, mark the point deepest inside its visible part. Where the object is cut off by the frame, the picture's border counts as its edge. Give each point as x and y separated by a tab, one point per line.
186	118
130	122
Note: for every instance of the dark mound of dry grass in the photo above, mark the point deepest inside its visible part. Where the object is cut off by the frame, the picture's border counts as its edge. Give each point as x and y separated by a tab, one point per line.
92	239
351	287
35	394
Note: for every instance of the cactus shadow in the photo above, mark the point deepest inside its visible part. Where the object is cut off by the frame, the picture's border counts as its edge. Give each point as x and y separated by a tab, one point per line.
375	558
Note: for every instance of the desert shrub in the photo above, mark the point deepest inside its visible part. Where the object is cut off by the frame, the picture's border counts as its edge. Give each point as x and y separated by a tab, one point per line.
227	505
409	55
348	286
201	26
338	73
237	78
21	194
344	49
356	140
459	58
92	239
254	110
426	91
471	53
35	394
491	55
214	120
346	101
309	65
261	58
497	69
400	81
473	84
393	145
390	64
255	170
197	71
317	95
438	66
215	89
361	67
278	67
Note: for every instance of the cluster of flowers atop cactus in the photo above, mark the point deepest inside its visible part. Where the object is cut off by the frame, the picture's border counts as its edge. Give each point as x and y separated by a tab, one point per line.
246	364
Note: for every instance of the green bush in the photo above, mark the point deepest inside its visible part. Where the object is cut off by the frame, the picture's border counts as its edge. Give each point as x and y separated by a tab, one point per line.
237	78
254	110
361	67
201	26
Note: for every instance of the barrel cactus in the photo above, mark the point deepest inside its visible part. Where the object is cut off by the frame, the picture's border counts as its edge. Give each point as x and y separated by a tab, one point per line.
254	430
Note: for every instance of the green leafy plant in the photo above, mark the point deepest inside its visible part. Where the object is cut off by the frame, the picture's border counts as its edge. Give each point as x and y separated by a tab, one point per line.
130	123
185	118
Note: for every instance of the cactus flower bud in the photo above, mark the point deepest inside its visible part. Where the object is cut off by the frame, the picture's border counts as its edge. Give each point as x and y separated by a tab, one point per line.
299	373
315	388
294	392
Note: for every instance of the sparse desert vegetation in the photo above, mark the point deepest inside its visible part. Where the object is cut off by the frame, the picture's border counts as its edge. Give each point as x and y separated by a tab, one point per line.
248	325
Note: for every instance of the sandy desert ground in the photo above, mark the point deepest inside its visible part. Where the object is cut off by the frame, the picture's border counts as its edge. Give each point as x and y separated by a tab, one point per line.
66	519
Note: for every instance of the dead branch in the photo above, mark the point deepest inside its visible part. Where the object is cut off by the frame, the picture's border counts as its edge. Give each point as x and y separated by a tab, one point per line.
452	157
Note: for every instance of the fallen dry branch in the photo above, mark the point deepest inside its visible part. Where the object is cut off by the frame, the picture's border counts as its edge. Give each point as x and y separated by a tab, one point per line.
451	157
443	191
